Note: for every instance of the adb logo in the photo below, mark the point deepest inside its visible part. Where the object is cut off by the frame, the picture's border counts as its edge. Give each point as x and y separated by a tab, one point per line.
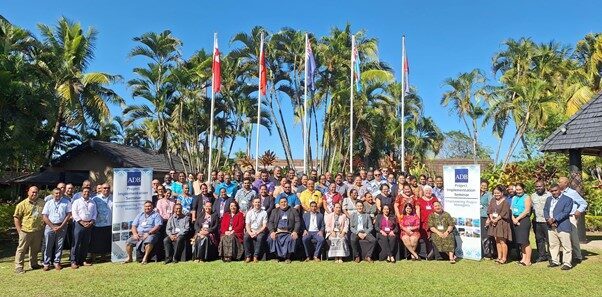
461	175
134	179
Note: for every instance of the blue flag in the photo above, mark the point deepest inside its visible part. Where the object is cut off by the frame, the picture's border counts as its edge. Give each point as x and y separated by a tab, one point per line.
356	65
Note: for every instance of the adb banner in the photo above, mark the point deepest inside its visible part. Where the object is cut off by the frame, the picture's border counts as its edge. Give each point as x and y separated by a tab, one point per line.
462	195
131	187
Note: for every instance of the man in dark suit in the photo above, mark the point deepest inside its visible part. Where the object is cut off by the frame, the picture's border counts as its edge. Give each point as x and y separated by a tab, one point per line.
361	229
313	226
556	212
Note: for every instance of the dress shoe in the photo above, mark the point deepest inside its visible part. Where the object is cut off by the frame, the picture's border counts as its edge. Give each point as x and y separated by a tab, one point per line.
74	266
247	259
369	260
566	267
551	265
57	267
46	268
357	259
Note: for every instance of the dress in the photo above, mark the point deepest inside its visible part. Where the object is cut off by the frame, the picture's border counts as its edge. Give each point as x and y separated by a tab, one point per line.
502	228
410	221
522	230
442	222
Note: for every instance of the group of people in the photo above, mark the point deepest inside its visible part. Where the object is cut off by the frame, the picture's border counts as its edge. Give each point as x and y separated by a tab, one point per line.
509	213
273	215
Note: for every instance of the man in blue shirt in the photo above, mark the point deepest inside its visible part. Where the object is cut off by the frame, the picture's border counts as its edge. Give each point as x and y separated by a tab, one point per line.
56	215
145	229
579	207
230	186
291	198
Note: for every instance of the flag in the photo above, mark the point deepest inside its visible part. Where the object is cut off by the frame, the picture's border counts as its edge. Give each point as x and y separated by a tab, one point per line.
262	71
406	73
216	68
355	61
311	66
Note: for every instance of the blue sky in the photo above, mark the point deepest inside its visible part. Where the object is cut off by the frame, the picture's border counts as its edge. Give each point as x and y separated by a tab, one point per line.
444	38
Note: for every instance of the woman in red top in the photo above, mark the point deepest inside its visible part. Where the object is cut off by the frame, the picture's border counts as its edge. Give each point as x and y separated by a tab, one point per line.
331	198
424	208
409	225
231	232
406	196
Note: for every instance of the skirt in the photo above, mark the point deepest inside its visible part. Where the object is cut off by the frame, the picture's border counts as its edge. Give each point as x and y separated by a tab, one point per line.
338	247
521	231
204	248
230	247
100	240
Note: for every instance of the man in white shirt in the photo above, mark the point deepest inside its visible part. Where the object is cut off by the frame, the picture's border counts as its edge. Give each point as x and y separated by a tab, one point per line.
256	223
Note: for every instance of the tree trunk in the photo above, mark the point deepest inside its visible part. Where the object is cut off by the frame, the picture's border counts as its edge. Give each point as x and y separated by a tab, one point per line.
56	130
282	131
519	132
527	150
475	140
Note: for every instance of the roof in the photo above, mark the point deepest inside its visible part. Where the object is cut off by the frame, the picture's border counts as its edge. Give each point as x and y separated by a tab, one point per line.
582	131
122	156
51	178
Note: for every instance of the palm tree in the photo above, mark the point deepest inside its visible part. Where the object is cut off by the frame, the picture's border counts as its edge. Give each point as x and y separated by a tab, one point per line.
155	83
465	96
79	97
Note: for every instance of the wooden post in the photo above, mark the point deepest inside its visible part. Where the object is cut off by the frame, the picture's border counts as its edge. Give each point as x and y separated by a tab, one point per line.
576	183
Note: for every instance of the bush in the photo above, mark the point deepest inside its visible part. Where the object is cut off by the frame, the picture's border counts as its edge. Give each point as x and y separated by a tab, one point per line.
593	223
6	217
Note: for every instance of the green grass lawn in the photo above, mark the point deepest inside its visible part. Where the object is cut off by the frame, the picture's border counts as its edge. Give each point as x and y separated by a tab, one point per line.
405	278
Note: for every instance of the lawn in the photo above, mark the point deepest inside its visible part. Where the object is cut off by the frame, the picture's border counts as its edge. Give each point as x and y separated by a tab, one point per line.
302	279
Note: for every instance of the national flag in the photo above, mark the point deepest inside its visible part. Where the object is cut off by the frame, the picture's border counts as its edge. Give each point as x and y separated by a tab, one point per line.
311	66
216	68
406	73
355	61
262	70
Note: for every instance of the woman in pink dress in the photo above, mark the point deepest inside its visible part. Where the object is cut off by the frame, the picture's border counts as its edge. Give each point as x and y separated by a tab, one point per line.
410	226
424	208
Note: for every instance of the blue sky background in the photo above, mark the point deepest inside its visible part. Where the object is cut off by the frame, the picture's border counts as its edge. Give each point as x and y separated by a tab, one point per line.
444	38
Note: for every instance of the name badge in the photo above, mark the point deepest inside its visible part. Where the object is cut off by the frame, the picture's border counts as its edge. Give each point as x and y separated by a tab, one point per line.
494	215
143	223
178	230
230	228
263	208
515	210
205	226
440	227
336	229
428	207
35	212
285	217
387	229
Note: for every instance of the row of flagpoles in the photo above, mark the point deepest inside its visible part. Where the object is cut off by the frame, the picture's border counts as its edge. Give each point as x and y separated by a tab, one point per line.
310	69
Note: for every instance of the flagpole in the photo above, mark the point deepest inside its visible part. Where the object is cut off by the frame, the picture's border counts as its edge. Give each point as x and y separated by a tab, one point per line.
403	93
351	105
259	105
212	111
305	140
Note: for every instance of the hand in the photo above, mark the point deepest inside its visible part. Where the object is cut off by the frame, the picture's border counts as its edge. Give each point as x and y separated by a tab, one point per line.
487	222
361	235
577	214
304	233
320	234
145	236
273	235
392	234
173	237
56	229
444	234
136	236
383	233
294	235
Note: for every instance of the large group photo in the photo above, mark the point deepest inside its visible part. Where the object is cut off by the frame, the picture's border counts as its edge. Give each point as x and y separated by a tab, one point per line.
365	152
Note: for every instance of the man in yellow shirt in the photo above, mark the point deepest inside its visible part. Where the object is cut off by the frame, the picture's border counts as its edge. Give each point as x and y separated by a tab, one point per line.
29	224
310	195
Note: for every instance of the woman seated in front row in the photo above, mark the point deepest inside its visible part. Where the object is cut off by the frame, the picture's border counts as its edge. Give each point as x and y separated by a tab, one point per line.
410	226
231	232
205	228
441	225
337	226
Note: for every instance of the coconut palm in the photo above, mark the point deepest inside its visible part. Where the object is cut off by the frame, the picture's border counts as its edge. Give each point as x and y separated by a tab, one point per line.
465	100
79	97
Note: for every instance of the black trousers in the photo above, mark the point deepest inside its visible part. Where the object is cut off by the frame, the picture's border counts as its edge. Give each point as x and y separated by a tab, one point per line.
81	243
355	245
174	249
254	246
388	245
541	238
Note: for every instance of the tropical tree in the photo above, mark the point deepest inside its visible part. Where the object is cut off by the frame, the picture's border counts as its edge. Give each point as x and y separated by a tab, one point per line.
466	100
79	98
155	83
